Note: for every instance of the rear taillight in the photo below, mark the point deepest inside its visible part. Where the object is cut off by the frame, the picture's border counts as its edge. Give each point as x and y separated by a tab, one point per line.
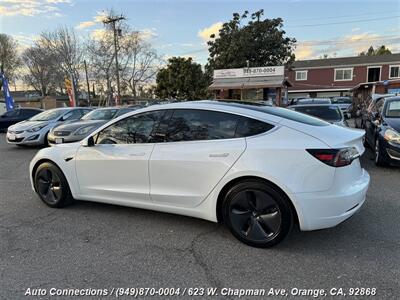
335	157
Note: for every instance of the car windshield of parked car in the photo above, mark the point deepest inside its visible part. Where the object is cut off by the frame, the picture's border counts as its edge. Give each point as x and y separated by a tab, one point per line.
393	109
48	115
327	113
313	101
341	100
100	114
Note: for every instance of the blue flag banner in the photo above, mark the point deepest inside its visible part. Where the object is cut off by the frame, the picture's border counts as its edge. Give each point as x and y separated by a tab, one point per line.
7	95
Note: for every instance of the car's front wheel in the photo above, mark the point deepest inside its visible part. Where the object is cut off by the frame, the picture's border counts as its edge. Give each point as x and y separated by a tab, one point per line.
257	213
52	186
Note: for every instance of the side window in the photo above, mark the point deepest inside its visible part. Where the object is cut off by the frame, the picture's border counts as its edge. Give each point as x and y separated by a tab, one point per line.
131	130
249	127
195	125
85	111
72	115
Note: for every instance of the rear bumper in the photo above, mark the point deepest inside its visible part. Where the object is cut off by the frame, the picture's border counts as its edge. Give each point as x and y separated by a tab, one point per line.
328	209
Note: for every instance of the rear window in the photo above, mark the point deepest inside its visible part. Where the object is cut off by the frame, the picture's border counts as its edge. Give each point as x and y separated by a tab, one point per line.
294	116
327	113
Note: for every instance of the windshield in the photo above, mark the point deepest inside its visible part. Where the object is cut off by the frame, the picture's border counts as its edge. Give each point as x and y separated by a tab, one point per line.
315	101
327	113
48	115
100	114
342	100
393	109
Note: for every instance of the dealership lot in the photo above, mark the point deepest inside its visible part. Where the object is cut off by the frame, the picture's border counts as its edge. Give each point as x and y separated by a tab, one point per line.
91	245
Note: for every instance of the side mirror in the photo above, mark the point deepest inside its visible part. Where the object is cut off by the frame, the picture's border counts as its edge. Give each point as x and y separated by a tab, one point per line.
347	115
89	142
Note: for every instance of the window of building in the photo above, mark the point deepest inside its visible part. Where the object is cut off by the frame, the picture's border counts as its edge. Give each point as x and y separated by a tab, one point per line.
394	72
301	75
374	74
344	74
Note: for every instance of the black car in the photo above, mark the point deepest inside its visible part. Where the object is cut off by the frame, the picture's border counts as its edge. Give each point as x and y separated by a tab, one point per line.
327	112
16	115
382	127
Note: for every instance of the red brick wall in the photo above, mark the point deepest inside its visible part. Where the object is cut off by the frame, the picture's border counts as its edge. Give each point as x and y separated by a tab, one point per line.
324	78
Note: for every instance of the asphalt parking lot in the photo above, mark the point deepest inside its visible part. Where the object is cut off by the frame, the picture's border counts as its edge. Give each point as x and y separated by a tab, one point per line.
90	245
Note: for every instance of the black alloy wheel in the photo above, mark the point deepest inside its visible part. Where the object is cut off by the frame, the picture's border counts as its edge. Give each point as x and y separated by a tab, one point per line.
51	185
257	214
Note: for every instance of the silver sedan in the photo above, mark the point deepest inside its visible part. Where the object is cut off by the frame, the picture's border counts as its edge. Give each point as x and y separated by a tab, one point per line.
34	131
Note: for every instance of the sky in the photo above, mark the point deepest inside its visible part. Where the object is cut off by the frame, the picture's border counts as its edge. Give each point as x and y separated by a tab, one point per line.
182	27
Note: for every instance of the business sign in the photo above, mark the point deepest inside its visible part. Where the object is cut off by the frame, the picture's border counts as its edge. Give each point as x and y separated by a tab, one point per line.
250	72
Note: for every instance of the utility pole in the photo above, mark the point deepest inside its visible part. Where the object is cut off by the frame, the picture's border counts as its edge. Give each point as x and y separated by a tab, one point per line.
87	83
113	20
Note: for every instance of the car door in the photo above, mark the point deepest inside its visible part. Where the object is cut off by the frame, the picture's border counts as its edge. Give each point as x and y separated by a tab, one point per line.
198	150
116	167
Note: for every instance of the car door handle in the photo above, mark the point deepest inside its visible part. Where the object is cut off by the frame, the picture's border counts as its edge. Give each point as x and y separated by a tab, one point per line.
219	154
138	154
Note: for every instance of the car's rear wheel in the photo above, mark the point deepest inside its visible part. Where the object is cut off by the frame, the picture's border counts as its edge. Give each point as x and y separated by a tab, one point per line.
52	186
257	213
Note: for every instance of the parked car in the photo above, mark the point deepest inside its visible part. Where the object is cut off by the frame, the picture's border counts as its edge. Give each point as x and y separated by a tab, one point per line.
328	112
313	101
17	115
343	102
259	169
34	131
76	131
382	126
361	110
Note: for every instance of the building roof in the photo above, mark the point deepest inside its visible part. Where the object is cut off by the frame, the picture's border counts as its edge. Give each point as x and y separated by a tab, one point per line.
347	61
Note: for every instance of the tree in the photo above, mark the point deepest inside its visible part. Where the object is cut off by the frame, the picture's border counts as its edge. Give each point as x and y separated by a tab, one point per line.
101	57
181	79
65	47
382	50
259	42
140	62
42	72
9	60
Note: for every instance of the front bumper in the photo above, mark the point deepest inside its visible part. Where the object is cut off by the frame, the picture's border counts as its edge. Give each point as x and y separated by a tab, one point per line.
390	152
328	209
61	139
26	138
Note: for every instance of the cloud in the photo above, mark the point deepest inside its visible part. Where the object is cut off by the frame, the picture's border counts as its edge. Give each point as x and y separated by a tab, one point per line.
85	24
148	33
97	19
205	33
347	45
98	34
30	8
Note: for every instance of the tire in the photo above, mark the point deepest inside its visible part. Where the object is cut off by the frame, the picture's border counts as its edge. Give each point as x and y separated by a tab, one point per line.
46	141
257	213
379	161
52	186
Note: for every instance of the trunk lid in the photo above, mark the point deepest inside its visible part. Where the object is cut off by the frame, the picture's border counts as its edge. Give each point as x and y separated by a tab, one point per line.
332	135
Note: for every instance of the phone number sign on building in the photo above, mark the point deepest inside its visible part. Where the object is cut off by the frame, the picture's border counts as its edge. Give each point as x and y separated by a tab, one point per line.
250	72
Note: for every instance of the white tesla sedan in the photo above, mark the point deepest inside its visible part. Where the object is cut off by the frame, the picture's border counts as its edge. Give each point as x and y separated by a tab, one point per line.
258	169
